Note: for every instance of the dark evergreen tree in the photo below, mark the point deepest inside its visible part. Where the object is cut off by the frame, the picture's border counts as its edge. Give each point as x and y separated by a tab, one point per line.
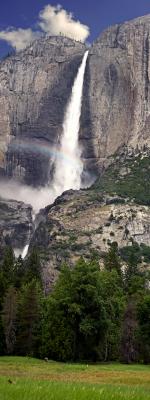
9	314
88	311
7	267
144	328
33	267
19	272
112	260
6	279
129	343
114	300
29	319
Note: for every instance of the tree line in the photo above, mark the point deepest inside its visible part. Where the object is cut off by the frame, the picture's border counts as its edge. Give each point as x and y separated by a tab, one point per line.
93	313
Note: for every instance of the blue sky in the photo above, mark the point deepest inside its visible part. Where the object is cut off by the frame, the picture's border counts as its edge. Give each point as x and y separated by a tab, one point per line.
97	14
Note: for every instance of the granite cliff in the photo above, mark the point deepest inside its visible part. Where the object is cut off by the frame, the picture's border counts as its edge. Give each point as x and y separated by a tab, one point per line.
35	86
116	106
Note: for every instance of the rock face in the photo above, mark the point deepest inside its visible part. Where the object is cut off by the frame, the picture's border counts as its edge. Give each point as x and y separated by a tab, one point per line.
16	225
85	223
35	86
116	107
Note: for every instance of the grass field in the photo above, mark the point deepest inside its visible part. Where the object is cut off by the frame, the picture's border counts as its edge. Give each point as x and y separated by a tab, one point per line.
30	379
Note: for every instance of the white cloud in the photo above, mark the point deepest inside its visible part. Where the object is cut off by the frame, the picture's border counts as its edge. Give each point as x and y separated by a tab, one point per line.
53	20
56	20
19	38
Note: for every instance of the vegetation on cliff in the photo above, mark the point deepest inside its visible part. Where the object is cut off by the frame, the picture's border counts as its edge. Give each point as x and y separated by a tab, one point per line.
127	177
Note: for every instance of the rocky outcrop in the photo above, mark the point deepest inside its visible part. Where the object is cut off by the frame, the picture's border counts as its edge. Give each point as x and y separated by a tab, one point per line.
116	107
16	225
85	223
35	86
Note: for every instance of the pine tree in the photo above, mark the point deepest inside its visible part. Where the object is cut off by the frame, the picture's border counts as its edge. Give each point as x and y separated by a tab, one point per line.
144	327
33	267
19	272
129	344
9	313
112	260
29	319
114	301
7	267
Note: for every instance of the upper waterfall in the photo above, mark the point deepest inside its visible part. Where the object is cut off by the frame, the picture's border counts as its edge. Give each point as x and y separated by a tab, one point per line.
68	166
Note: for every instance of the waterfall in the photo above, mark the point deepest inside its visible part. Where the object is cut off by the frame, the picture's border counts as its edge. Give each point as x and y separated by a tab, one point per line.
68	163
68	166
21	252
25	251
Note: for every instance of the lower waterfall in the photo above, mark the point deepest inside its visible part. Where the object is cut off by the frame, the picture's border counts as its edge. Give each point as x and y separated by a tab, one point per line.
25	251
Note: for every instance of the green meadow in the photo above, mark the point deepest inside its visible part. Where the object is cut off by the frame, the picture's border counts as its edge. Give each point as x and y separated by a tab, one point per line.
23	378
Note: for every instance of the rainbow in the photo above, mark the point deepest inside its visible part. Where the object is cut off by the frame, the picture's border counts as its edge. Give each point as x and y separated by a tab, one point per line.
43	147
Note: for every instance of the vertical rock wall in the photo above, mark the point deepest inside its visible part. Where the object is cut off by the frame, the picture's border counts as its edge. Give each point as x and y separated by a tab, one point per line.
35	86
116	107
